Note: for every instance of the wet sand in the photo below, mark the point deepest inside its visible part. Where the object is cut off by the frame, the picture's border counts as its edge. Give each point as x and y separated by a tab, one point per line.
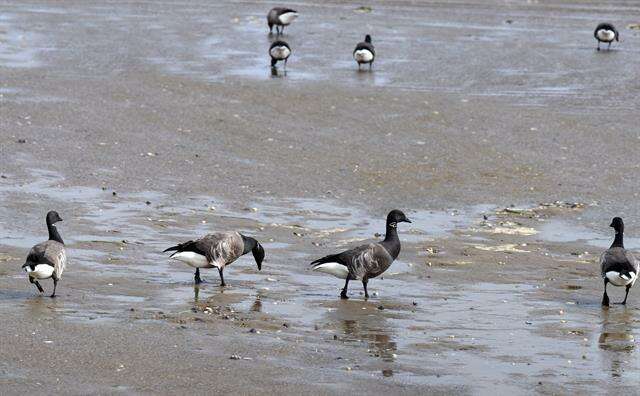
472	108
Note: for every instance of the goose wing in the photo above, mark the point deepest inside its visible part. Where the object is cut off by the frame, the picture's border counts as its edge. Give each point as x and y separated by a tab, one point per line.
366	46
276	12
372	261
222	247
52	253
633	260
619	260
366	261
283	10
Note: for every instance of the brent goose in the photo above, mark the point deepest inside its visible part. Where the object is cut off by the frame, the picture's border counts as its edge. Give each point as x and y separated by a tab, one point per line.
217	250
364	52
279	51
366	261
280	17
617	265
47	259
606	33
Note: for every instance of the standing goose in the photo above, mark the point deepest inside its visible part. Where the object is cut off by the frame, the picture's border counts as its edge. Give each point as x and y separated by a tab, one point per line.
217	250
280	17
366	261
606	33
47	259
279	51
364	52
617	265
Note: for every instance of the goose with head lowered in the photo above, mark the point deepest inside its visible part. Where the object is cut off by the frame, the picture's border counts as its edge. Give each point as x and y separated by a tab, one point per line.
47	259
617	265
366	261
217	250
364	52
605	33
280	17
279	51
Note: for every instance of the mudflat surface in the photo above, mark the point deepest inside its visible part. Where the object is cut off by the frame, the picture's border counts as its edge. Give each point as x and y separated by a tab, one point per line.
496	127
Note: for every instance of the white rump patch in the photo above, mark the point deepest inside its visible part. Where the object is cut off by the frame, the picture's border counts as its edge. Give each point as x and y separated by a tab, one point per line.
280	52
40	271
195	260
616	279
287	17
335	269
606	35
363	56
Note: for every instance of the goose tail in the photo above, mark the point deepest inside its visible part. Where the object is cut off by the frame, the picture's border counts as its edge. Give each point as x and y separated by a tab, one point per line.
331	265
172	248
333	258
627	275
179	247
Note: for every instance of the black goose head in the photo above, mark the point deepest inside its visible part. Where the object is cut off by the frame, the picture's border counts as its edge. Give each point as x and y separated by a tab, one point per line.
367	39
251	244
258	254
617	225
396	216
53	217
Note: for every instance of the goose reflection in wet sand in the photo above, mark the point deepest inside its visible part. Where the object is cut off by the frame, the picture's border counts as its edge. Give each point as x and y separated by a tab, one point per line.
196	292
257	304
380	343
616	340
353	324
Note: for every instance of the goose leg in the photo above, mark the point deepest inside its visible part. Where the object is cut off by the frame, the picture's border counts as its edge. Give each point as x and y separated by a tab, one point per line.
55	286
626	294
370	65
364	284
35	282
196	277
605	297
343	295
221	277
598	45
196	293
609	46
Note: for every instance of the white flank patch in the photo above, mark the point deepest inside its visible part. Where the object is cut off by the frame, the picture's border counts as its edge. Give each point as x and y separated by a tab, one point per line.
193	259
363	56
280	52
615	278
606	35
335	269
40	271
287	17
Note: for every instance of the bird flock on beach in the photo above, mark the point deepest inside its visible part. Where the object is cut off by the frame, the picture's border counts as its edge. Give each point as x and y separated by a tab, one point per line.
364	53
48	260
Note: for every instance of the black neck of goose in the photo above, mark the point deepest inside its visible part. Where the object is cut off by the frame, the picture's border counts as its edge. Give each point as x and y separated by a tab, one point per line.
249	244
53	233
391	241
392	232
618	241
